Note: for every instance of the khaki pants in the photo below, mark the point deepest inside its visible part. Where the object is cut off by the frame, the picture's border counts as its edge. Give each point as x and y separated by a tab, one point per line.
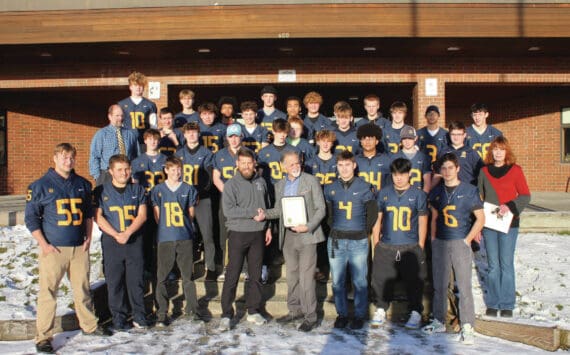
74	262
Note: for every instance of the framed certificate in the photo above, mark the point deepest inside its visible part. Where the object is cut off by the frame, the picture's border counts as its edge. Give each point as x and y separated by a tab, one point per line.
294	211
494	221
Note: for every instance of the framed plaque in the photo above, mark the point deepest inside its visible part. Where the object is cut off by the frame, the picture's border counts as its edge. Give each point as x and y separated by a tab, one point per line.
294	211
494	221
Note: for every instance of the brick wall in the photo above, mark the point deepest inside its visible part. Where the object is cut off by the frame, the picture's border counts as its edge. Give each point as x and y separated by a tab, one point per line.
37	122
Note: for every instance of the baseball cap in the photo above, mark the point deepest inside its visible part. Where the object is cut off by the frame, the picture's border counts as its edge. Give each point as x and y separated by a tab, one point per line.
432	108
233	130
268	90
408	132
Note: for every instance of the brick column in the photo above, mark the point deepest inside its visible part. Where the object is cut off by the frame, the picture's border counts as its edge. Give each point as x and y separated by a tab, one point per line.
421	101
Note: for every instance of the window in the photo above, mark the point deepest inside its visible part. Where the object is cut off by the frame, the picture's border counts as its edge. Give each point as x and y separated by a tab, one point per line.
3	141
565	124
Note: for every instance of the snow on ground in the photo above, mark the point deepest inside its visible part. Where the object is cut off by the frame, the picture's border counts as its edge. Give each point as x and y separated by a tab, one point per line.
542	289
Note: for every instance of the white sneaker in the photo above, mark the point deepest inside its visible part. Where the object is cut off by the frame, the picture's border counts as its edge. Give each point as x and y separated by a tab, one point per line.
256	319
379	318
434	327
467	335
225	324
415	321
264	274
222	276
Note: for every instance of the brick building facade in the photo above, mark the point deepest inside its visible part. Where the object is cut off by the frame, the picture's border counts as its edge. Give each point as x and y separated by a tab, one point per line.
59	91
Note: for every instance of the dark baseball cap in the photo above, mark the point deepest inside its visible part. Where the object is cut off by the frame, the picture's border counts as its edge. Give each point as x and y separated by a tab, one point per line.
268	90
431	108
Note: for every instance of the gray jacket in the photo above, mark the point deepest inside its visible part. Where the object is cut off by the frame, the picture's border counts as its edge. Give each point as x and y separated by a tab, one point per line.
312	191
240	201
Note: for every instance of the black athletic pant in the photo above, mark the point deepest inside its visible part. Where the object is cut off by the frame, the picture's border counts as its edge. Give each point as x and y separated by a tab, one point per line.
241	245
394	262
123	267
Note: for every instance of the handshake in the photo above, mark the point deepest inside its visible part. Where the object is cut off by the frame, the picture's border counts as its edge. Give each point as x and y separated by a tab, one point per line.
260	217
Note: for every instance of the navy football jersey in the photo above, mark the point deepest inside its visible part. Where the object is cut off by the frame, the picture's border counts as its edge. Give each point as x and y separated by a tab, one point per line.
380	122
470	163
454	209
225	163
349	204
254	139
137	116
181	118
432	145
269	161
391	139
266	121
307	150
346	141
212	137
149	170
312	126
174	219
197	168
59	208
166	145
421	164
324	170
120	209
481	142
375	170
400	214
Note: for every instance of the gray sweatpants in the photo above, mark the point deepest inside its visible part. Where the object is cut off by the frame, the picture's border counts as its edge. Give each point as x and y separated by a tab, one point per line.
447	254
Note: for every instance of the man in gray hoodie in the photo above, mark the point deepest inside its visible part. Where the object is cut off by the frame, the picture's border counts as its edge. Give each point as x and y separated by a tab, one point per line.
243	198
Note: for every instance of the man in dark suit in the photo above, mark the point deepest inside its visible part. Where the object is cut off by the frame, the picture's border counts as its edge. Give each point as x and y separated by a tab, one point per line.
299	243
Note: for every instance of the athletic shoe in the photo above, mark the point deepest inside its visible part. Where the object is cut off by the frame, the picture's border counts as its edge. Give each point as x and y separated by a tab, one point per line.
162	323
264	274
434	327
340	322
307	326
290	317
141	324
467	335
256	319
491	312
122	327
415	321
99	332
45	347
193	317
506	313
225	324
379	318
357	323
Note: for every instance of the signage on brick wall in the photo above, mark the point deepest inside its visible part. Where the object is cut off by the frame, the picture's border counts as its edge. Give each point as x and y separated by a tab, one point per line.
287	76
431	87
154	90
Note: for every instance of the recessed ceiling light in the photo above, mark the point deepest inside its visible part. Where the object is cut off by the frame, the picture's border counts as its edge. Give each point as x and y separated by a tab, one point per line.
46	55
204	50
285	49
534	49
369	49
453	49
124	53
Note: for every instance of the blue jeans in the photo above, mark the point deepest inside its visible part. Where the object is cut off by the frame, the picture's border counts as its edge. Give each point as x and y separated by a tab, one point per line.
353	253
500	249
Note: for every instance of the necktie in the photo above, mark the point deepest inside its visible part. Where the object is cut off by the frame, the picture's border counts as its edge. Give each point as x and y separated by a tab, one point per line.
121	142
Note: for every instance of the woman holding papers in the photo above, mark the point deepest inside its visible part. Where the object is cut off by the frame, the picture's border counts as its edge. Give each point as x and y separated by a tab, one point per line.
502	184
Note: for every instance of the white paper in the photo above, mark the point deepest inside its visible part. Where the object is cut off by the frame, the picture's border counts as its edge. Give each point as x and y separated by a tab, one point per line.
494	221
294	211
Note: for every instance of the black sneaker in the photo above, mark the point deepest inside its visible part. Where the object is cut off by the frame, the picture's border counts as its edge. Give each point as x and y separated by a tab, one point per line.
193	317
340	322
45	347
162	323
357	323
122	327
100	331
290	317
307	326
491	312
140	324
506	313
